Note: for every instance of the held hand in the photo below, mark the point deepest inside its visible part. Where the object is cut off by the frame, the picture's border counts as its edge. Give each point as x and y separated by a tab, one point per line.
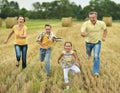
58	61
5	42
51	39
76	63
85	34
103	39
18	36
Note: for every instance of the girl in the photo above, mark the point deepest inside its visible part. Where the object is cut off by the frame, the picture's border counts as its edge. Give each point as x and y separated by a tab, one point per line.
69	61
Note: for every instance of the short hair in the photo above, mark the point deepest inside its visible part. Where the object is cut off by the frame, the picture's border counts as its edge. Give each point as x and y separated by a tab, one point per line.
93	12
48	25
21	16
67	42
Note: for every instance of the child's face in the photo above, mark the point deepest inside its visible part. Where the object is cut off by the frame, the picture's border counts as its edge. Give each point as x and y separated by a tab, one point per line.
68	47
48	29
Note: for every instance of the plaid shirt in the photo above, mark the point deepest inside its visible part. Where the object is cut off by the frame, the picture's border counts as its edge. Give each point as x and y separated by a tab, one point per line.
40	37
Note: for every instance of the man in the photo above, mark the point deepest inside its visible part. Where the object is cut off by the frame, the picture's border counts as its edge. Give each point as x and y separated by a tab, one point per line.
45	40
91	30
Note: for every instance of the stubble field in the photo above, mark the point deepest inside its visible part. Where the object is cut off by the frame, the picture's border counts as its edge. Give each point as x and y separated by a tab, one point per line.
33	79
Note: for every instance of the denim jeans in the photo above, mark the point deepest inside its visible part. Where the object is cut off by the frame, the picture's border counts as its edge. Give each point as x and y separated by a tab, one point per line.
96	47
45	54
21	49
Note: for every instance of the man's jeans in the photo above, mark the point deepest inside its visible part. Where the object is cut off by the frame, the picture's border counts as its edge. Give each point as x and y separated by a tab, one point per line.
96	47
45	54
21	49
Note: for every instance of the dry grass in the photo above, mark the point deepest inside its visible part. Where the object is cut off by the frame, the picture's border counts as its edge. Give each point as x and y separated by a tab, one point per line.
34	80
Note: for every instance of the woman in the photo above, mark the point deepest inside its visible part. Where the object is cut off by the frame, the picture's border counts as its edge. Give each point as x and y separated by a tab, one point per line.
20	43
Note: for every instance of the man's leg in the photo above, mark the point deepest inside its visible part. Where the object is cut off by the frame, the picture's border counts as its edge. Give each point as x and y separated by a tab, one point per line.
89	47
96	66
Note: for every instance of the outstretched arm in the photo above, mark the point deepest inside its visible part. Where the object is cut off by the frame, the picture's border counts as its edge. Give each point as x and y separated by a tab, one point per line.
10	34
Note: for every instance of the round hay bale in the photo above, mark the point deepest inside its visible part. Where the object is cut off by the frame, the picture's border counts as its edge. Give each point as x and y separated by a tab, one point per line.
86	19
0	22
67	22
26	18
108	21
10	22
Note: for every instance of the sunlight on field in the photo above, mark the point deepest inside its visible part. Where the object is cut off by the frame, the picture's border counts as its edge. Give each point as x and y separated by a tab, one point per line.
34	80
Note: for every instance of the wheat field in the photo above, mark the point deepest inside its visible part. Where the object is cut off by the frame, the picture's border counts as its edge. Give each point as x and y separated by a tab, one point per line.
33	79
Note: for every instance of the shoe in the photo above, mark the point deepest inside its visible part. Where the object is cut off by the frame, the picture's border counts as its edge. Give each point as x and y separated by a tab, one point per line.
17	65
67	88
88	56
97	74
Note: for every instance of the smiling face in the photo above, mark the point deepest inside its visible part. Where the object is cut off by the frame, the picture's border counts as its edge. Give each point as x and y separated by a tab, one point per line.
48	29
67	46
21	20
93	17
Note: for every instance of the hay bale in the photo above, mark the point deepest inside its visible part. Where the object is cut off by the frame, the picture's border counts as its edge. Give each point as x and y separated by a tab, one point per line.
0	22
26	18
10	22
108	21
67	22
86	19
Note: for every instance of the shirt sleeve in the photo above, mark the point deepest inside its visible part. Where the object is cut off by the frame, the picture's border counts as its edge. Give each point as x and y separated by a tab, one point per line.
104	26
39	38
83	27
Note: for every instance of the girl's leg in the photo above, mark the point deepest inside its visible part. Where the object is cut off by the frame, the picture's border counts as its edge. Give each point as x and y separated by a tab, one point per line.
75	68
66	70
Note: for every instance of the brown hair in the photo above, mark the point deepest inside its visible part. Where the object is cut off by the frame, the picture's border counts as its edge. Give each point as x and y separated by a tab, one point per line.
48	25
20	16
93	12
67	42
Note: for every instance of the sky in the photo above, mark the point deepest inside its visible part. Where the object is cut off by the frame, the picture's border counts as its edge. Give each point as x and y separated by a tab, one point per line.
28	3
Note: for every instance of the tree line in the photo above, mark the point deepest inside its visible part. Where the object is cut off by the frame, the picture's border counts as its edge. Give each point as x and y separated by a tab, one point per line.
61	8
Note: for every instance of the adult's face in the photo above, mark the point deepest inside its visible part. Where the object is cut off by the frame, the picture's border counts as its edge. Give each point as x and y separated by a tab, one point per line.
20	20
93	18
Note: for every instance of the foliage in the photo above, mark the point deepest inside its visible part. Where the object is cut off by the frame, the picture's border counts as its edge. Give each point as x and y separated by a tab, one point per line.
61	8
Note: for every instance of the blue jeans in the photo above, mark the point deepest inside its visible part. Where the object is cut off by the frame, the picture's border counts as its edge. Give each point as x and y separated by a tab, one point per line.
21	49
96	47
45	54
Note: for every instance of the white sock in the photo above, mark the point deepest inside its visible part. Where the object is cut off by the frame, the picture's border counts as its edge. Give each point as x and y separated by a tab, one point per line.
67	87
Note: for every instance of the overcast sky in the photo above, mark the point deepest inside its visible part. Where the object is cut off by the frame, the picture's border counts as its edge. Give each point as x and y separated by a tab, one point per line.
28	3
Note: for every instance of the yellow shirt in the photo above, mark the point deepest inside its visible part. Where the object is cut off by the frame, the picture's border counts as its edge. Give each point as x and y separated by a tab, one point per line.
93	30
46	41
19	41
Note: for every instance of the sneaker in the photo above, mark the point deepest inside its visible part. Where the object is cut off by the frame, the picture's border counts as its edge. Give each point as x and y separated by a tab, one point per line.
67	88
88	56
97	74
